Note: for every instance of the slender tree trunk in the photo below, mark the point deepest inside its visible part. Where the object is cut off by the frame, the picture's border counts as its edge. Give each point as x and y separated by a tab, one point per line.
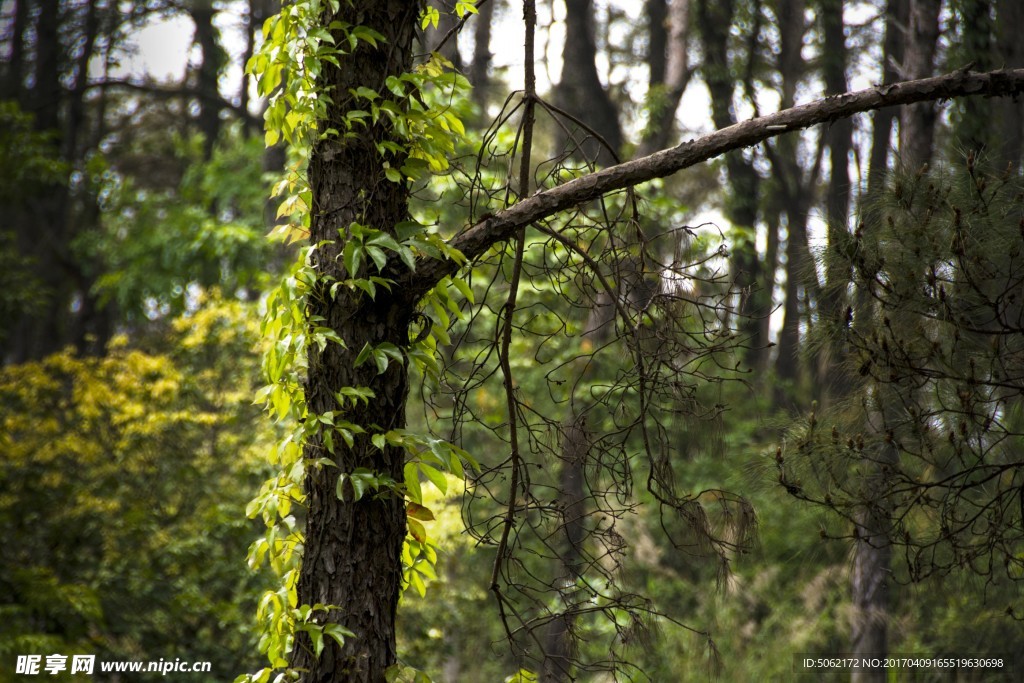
664	95
1010	52
797	189
353	550
559	642
798	263
872	551
917	121
881	132
448	22
480	67
13	70
872	556
208	74
831	379
656	12
580	93
714	17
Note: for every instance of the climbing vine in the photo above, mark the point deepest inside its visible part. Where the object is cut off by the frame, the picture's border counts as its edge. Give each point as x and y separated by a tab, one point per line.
418	107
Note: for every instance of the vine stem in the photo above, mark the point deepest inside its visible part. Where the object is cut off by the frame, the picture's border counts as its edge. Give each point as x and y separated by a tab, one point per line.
526	127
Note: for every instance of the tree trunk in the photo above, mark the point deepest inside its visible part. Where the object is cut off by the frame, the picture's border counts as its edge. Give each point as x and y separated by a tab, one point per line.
559	642
448	23
580	93
40	220
664	95
13	70
881	132
208	74
832	381
352	556
714	17
917	122
480	67
1010	52
872	557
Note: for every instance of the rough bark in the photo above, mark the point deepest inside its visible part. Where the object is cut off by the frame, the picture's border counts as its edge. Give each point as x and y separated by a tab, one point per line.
352	556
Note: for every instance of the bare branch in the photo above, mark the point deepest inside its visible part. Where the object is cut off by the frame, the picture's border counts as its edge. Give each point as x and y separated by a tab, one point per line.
476	239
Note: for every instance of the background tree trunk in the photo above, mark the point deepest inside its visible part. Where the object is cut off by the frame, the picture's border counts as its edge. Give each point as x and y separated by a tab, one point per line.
580	93
917	121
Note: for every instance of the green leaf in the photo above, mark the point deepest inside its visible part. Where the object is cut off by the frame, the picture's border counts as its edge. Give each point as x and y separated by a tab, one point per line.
412	483
435	476
464	288
417	583
338	633
352	257
384	240
381	359
317	636
366	93
378	256
417	530
363	356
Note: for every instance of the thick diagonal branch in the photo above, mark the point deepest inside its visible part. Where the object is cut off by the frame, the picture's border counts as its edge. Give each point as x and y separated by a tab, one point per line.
476	239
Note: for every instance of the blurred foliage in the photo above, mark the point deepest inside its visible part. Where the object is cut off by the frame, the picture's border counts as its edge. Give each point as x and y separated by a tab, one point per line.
157	243
27	165
123	483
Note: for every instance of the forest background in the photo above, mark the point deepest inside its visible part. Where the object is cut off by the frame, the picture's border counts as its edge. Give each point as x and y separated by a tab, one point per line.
834	319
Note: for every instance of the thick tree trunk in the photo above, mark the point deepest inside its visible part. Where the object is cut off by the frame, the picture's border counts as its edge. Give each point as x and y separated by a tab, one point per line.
352	556
39	221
